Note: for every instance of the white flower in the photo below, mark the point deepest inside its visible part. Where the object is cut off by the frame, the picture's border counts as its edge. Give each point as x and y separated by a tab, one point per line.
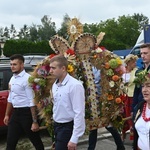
111	83
36	80
98	50
121	86
93	51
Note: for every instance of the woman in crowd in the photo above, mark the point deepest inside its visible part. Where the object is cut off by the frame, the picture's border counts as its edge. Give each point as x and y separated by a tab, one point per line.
128	78
142	115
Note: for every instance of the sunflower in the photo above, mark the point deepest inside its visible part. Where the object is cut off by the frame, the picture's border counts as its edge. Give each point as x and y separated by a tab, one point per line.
70	68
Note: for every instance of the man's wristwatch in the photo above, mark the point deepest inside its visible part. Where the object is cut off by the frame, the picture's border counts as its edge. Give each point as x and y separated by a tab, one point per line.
34	120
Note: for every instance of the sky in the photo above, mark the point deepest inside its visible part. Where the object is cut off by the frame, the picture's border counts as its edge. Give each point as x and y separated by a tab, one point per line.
29	12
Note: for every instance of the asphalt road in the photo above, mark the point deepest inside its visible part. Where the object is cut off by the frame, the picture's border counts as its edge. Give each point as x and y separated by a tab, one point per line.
105	142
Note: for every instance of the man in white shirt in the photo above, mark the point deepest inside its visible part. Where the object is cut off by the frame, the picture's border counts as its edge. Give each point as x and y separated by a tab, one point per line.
20	104
69	106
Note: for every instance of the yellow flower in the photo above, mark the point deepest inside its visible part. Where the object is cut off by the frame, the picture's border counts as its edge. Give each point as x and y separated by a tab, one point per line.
119	61
70	68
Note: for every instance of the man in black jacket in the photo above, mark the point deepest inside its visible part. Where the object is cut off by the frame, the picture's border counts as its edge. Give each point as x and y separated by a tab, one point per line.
145	55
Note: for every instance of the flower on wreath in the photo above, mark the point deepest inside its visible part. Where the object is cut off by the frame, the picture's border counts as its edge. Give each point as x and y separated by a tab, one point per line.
70	52
97	51
114	72
111	83
110	72
71	58
118	100
142	77
114	63
121	86
43	70
70	68
37	83
52	55
113	69
110	97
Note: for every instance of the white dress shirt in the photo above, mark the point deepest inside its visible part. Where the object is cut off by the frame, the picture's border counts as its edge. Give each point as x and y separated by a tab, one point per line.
143	130
69	104
21	94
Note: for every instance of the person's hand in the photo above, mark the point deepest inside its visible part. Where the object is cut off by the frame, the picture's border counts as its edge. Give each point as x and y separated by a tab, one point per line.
35	127
72	146
6	120
131	114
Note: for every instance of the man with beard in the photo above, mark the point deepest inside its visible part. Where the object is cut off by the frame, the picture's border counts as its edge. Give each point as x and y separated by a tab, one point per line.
20	104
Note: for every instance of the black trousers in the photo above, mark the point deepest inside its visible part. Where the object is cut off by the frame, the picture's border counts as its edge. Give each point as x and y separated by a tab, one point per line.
63	133
117	138
93	138
21	121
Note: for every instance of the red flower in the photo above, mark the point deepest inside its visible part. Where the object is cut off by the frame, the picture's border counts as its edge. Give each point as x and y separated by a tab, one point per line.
70	51
52	55
103	48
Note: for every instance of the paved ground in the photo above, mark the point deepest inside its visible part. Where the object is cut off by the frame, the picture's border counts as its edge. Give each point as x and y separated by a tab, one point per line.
105	142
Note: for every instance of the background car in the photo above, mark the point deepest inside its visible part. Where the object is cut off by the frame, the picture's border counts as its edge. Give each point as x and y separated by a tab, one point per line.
34	58
4	60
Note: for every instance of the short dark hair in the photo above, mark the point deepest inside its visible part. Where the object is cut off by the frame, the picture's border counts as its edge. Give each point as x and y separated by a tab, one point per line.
145	45
17	56
62	61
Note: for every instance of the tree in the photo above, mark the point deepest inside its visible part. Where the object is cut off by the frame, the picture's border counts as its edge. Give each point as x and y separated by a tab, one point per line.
141	19
121	33
91	28
63	30
24	33
47	29
34	33
128	30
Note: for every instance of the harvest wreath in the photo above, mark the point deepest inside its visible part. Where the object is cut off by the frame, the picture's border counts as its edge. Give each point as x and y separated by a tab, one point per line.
82	55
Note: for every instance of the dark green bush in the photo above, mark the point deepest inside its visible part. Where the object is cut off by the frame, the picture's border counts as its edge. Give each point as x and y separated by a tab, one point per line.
21	47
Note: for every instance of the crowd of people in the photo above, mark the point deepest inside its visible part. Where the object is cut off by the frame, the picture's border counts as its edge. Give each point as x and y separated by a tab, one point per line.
69	105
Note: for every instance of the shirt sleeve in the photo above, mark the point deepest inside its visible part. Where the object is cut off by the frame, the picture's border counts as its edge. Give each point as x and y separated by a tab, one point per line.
9	96
29	93
78	103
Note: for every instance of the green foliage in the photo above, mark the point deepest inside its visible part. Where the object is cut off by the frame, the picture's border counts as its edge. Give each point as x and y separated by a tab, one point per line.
141	77
24	46
141	19
63	30
120	33
47	29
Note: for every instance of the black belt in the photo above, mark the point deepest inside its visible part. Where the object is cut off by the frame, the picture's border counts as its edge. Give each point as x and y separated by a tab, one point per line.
65	123
21	108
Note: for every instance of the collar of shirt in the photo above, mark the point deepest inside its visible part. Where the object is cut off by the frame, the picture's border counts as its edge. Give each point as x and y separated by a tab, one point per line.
64	82
20	74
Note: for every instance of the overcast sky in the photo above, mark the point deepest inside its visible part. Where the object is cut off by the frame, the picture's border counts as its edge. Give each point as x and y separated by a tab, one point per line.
20	12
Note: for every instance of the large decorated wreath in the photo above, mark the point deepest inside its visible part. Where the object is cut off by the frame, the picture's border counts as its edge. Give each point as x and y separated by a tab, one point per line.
83	53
